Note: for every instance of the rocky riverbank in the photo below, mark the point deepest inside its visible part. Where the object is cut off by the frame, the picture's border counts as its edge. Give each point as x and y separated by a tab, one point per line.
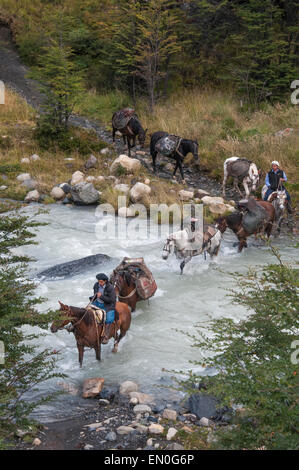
123	418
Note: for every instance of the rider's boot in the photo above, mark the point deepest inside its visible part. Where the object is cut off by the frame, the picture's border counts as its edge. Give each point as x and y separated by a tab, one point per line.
107	333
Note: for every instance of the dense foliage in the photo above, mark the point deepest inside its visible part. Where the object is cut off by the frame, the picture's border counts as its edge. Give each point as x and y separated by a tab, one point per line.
155	46
22	367
257	361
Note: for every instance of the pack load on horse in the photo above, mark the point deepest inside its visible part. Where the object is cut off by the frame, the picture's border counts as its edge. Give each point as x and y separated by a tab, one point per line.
252	218
174	147
243	170
88	326
127	123
133	281
192	240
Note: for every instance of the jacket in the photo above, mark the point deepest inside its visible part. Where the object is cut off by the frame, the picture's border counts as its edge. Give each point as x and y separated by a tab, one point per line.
108	296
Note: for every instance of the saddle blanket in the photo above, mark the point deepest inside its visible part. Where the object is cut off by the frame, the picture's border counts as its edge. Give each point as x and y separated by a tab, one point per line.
99	313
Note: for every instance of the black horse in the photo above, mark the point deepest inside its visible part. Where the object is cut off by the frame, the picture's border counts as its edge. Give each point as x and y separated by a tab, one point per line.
179	154
129	133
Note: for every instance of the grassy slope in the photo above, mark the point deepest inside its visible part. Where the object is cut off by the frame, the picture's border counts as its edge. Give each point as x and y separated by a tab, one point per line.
17	141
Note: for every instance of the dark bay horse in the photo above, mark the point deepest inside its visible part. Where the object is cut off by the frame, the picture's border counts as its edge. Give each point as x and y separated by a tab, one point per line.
234	222
125	287
186	146
88	332
130	131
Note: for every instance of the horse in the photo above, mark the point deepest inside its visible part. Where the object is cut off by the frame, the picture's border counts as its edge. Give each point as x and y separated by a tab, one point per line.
240	168
125	287
279	200
185	146
86	329
132	129
234	222
184	246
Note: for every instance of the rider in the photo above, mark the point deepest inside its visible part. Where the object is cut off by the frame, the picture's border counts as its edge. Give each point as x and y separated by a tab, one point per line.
274	180
105	299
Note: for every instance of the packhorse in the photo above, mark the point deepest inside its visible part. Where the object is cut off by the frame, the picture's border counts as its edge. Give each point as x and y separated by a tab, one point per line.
125	288
186	244
236	221
88	332
183	147
279	200
131	129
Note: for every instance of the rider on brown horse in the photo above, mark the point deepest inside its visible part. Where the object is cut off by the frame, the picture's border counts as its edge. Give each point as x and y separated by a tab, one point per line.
105	298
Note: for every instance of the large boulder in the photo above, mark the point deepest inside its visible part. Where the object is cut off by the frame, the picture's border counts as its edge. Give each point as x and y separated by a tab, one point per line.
29	183
23	177
138	191
201	193
203	405
186	195
92	387
91	162
212	200
127	387
130	165
219	208
85	194
77	177
57	193
32	196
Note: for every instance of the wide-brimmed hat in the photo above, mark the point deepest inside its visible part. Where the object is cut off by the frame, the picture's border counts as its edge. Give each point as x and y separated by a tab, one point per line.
102	277
275	162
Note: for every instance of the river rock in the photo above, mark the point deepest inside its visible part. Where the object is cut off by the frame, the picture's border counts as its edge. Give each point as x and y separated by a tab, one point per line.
57	193
126	212
85	193
32	196
201	193
122	188
90	179
25	160
127	387
186	195
138	191
218	208
123	430
111	436
29	184
91	162
34	157
141	398
171	433
127	163
175	446
65	187
92	387
23	177
156	429
142	409
3	187
134	401
105	151
204	422
88	447
77	177
170	414
36	442
203	405
212	200
100	178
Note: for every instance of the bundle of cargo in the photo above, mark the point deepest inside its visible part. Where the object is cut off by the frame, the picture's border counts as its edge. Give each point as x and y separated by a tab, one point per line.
167	144
122	117
144	281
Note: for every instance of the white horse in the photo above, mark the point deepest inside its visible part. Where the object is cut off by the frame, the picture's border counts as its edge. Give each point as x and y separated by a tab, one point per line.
279	201
185	244
240	168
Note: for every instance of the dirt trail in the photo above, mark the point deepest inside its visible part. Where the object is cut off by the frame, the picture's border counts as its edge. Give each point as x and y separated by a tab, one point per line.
13	74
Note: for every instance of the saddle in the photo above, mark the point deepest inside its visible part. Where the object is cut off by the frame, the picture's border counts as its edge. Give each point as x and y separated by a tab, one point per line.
145	283
122	117
167	145
100	315
254	217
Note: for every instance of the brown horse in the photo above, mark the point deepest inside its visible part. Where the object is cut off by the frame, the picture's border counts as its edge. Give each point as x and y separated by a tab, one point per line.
125	287
234	222
86	329
129	132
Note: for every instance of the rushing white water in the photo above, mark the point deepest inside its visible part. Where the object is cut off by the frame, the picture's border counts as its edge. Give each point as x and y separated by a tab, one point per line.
153	342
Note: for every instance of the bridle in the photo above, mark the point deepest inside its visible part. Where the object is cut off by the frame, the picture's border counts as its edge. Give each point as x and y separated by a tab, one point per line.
115	284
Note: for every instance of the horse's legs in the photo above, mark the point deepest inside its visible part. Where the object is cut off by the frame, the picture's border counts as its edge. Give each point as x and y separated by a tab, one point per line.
247	190
118	338
98	352
124	139
236	186
242	244
113	133
224	184
81	353
129	146
184	262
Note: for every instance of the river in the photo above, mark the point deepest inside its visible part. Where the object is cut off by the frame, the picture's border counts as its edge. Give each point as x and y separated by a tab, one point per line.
153	342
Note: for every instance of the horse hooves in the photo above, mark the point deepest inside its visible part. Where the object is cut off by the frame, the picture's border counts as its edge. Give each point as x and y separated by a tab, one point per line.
115	350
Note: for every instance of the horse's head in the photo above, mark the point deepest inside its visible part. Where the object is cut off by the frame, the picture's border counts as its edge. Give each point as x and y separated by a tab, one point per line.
221	224
121	280
254	175
281	200
64	318
167	249
195	151
142	137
